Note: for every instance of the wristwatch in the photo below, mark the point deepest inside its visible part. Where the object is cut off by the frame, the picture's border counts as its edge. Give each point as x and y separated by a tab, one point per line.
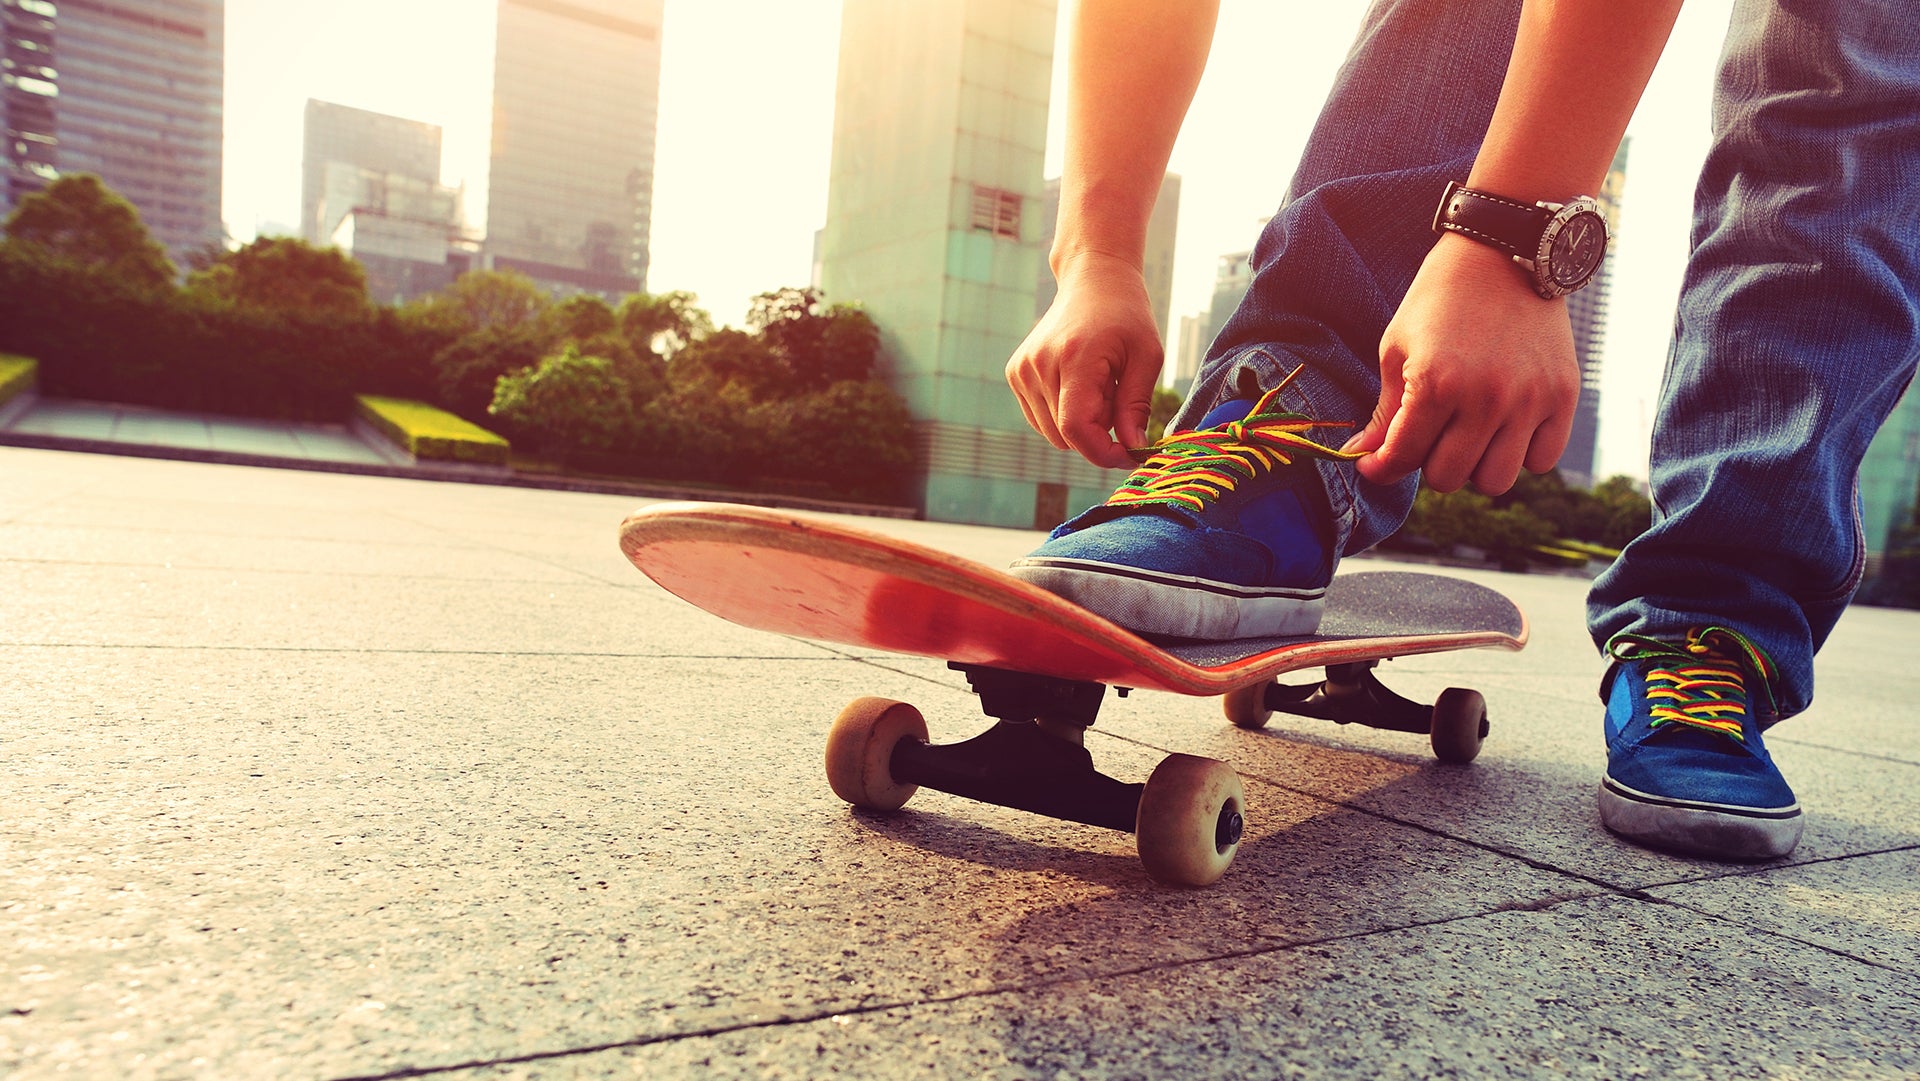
1560	245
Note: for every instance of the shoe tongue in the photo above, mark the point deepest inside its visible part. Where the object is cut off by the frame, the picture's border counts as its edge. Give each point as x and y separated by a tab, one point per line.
1226	412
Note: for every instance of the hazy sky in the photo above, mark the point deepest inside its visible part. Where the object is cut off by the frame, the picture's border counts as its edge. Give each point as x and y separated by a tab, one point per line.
746	126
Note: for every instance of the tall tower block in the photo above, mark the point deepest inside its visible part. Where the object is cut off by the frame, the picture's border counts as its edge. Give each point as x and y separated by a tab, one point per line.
935	225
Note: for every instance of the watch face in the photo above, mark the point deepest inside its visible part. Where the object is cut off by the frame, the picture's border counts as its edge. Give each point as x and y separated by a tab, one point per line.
1577	250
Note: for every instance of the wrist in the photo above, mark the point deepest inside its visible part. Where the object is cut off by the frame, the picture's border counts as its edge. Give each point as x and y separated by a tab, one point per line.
1070	262
1488	271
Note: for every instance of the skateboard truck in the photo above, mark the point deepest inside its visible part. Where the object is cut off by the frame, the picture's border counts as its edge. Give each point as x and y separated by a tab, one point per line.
1187	819
1456	722
1033	759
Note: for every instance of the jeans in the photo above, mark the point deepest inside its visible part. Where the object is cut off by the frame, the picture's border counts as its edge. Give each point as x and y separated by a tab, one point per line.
1797	328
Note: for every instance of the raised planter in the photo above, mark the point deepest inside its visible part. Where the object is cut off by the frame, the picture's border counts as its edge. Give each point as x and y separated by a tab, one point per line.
427	435
19	385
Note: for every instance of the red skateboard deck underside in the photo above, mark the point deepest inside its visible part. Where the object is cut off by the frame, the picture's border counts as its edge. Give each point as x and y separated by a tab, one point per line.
793	574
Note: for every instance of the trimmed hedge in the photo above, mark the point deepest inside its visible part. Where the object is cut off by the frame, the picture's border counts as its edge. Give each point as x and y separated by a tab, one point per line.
431	433
17	374
104	340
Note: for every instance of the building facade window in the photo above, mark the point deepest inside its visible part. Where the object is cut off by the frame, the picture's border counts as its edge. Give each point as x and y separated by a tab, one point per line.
996	211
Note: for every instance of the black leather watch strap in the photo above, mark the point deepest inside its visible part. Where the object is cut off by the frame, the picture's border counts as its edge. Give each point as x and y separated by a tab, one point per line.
1512	227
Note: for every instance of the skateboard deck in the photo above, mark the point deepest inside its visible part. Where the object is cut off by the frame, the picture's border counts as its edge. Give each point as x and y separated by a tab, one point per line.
808	577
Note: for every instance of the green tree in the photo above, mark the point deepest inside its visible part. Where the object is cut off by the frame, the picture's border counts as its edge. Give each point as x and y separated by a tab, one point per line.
466	371
490	300
1468	518
662	323
727	358
286	274
852	440
813	345
569	401
1628	512
80	221
582	317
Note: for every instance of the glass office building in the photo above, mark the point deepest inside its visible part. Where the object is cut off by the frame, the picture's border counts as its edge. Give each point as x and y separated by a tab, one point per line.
130	90
935	219
29	92
575	100
370	142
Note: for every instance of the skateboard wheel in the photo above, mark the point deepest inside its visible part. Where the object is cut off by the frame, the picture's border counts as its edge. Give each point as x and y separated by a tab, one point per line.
1459	724
860	752
1190	820
1247	706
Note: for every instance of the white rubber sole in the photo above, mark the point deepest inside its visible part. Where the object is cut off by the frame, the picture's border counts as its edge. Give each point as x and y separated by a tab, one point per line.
1713	830
1151	602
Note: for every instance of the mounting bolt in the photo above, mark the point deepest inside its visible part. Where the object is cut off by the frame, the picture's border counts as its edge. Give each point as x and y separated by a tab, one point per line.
1226	833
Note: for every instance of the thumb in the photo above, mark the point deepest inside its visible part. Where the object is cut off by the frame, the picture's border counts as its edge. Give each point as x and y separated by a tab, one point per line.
1369	438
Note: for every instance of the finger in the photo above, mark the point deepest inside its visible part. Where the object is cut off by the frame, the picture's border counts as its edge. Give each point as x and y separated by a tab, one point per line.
1368	439
1500	464
1409	440
1454	456
1037	404
1133	408
1549	442
1392	387
1085	417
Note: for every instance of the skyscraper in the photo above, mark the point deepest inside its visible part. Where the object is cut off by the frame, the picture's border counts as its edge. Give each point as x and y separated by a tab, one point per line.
130	90
575	98
29	91
374	142
1588	308
934	224
370	185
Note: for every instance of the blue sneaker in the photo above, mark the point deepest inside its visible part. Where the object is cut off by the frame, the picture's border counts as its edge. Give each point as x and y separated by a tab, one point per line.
1223	532
1686	770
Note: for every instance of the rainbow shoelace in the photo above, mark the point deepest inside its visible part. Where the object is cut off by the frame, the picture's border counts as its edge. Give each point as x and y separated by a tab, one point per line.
1704	685
1191	469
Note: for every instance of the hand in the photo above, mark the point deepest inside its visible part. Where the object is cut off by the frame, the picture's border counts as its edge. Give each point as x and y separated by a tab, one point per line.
1088	368
1478	376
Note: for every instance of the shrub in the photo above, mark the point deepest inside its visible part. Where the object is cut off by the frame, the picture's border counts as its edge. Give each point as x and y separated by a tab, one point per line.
855	438
1469	518
100	337
467	371
569	401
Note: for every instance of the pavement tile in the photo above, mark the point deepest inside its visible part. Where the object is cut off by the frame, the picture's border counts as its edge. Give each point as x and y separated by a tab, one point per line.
1866	685
362	862
1605	988
76	420
239	514
161	607
210	550
162	430
1866	906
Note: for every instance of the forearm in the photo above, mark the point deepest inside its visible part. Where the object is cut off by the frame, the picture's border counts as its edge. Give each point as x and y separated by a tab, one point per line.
1133	69
1578	70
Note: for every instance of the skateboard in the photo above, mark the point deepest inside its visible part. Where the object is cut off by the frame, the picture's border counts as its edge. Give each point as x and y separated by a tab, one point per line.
1041	667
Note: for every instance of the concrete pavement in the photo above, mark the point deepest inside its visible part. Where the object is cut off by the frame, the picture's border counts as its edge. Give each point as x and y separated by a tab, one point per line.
318	776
